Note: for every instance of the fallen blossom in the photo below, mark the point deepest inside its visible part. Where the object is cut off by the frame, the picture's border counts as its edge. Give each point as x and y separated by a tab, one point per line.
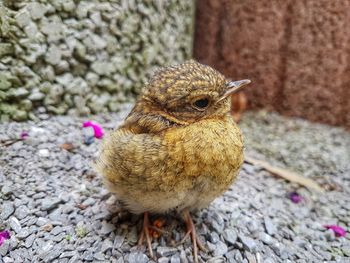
4	235
338	230
98	131
295	197
24	135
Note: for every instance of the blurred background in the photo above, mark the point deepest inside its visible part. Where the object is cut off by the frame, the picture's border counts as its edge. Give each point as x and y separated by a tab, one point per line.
82	57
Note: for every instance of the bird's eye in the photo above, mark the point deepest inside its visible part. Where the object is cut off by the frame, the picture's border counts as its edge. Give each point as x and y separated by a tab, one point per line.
201	104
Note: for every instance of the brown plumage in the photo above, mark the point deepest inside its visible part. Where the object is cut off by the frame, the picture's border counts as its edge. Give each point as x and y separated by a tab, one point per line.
178	149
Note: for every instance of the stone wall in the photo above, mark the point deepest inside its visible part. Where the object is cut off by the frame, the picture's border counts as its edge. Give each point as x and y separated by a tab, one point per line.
85	56
297	53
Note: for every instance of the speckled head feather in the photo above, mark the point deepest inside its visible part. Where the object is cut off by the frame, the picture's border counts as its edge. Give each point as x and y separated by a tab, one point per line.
175	81
175	89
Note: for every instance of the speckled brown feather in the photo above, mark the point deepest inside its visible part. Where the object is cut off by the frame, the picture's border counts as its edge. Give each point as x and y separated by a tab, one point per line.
167	154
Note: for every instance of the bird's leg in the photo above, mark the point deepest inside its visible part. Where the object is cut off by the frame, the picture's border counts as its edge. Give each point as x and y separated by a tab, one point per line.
145	232
191	230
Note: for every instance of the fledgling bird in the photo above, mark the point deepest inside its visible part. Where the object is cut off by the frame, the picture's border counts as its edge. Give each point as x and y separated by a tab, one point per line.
178	149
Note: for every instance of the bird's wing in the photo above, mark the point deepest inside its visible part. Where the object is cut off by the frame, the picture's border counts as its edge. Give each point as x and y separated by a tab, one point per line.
132	159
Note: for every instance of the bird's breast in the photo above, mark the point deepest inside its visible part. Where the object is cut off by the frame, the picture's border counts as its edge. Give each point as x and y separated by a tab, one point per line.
207	153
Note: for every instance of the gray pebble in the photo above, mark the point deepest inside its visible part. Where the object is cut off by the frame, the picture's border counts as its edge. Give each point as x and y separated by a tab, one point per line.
7	210
107	244
99	256
230	236
214	237
22	212
106	228
7	189
68	254
88	256
15	224
248	243
163	260
265	238
166	251
175	258
4	248
118	241
29	241
217	260
42	221
220	249
23	233
269	226
270	260
49	204
137	257
56	230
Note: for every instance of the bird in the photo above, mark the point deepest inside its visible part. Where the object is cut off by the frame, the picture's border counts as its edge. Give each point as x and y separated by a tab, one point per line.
178	149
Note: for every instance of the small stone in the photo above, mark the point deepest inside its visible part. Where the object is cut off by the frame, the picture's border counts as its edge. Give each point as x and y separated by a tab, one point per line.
36	96
41	221
36	10
166	251
234	256
269	226
68	6
175	258
22	18
49	204
22	212
89	202
7	189
107	244
68	254
99	256
7	210
118	241
163	260
270	260
15	224
44	153
29	241
87	255
230	236
107	228
137	257
220	249
214	237
56	230
47	227
23	233
248	243
53	55
4	248
265	238
20	93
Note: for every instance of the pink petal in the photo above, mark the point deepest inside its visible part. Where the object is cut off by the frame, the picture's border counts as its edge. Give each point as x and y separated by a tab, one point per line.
295	197
4	235
98	131
338	230
24	135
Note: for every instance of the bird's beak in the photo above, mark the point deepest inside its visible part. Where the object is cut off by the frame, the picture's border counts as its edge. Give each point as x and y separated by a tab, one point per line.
233	87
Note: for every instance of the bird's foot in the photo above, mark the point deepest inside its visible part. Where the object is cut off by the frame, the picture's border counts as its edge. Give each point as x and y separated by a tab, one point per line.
146	233
156	228
191	230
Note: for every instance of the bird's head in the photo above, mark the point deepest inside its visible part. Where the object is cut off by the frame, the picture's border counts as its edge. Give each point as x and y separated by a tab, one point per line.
189	92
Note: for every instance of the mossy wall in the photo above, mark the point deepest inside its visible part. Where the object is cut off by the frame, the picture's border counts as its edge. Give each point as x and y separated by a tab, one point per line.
88	56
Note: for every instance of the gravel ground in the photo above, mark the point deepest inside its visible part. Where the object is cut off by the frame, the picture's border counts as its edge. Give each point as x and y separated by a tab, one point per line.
57	210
